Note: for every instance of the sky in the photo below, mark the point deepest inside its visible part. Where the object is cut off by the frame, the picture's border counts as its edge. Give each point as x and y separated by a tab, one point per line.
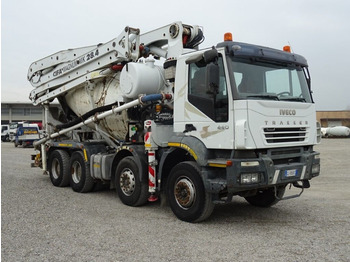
317	29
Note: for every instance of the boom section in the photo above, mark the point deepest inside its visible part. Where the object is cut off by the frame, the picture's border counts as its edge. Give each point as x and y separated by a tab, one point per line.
60	68
56	74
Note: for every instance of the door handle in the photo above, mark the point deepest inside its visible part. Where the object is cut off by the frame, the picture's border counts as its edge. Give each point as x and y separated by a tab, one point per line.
189	128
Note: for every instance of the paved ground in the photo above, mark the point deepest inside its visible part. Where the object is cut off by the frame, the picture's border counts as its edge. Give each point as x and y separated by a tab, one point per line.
40	222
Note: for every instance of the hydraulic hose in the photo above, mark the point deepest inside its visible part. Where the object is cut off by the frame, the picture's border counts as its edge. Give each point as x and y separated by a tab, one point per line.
86	116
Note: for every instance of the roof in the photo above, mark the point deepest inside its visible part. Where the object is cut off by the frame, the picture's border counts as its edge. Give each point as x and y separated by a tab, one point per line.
239	49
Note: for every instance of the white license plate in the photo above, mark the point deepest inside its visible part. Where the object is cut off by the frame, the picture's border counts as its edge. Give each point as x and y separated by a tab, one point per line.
291	173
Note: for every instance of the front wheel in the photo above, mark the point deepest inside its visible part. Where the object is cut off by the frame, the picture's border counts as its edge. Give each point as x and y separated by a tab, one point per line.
80	179
186	193
266	197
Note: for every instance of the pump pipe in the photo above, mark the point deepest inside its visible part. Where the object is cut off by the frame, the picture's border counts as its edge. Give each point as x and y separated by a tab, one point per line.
141	100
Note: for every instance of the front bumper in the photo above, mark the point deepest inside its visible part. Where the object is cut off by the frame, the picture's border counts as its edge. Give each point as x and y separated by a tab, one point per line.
271	169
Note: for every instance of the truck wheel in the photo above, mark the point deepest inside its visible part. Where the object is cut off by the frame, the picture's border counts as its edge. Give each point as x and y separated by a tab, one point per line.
59	168
186	193
131	190
80	179
266	198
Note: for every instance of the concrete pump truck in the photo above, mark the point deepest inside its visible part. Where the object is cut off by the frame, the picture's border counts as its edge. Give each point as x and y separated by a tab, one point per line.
197	127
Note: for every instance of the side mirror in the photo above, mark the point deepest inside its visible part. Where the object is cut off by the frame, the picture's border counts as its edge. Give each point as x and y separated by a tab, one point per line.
212	77
210	56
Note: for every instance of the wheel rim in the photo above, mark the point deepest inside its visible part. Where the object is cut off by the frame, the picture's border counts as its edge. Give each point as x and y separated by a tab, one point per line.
56	168
127	182
76	172
185	192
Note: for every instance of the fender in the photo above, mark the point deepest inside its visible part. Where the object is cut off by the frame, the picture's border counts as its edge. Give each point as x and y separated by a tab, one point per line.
138	152
181	149
193	146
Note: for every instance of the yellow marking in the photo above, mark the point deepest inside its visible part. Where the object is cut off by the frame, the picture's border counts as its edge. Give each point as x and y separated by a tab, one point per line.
148	145
124	148
174	144
217	165
30	132
94	74
186	147
85	155
67	145
97	165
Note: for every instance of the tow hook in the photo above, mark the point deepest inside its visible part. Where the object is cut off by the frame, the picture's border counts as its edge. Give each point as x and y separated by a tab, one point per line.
305	184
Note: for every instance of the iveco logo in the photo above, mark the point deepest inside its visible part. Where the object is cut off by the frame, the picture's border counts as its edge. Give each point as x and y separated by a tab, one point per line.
287	112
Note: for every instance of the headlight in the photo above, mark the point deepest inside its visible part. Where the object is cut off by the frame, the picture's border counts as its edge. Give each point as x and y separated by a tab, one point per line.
315	169
250	178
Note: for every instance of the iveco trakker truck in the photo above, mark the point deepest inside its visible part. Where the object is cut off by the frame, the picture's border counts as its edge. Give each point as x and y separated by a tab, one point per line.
155	116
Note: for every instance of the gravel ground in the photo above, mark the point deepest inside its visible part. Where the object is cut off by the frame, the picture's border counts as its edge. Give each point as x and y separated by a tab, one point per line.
40	222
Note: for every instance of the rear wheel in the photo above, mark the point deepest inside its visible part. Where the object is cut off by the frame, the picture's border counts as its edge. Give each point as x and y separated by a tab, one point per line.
59	168
186	193
266	197
80	179
131	190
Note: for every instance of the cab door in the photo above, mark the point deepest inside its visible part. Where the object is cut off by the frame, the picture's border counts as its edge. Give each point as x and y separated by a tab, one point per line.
202	108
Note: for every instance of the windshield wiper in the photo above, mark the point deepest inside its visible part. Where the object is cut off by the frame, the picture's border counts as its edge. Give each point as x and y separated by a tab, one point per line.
271	97
299	99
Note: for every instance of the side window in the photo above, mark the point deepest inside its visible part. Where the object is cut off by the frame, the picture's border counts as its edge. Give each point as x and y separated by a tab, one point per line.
212	102
197	81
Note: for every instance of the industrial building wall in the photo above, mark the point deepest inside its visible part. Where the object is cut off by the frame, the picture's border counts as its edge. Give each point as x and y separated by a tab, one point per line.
17	111
333	118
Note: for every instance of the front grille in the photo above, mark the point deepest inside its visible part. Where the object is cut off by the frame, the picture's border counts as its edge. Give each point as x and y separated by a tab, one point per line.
285	134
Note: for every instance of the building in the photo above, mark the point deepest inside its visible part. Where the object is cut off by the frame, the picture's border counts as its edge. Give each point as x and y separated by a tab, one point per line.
21	111
333	118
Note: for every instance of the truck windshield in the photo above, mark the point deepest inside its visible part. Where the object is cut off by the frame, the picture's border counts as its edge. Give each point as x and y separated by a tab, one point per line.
13	125
269	81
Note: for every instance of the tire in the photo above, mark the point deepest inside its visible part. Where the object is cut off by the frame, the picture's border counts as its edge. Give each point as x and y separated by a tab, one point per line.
80	178
186	193
58	166
266	197
131	190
